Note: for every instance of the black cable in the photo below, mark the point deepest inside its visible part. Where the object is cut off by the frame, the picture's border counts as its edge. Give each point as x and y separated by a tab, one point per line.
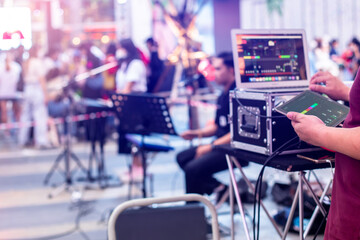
259	183
318	230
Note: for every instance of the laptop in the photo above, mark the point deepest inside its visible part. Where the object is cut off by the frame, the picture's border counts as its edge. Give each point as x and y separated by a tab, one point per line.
270	60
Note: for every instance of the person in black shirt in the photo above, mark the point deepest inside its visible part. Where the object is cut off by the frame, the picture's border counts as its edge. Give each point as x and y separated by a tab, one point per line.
156	65
201	162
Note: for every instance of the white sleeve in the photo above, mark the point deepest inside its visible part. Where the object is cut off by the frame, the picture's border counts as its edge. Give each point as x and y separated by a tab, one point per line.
135	71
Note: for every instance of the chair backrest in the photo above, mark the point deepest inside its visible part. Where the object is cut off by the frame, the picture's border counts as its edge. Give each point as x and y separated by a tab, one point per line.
186	222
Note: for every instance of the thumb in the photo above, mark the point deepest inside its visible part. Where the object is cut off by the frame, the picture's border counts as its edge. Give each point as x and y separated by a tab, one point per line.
293	116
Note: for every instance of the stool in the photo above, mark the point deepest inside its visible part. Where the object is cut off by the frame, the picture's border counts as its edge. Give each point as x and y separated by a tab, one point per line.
143	145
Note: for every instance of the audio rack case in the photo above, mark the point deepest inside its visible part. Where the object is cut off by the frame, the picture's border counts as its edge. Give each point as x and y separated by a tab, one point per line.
252	127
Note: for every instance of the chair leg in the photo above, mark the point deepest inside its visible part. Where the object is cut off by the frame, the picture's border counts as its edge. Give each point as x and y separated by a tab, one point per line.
223	199
151	178
131	181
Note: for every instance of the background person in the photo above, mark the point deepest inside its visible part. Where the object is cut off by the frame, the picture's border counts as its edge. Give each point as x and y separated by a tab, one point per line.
344	217
156	65
131	75
201	162
130	78
35	100
9	77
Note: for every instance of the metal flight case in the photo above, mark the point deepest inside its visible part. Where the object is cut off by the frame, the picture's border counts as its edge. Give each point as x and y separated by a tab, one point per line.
256	127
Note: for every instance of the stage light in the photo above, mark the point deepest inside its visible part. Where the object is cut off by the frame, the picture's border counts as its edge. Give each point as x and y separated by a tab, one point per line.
121	1
76	41
105	39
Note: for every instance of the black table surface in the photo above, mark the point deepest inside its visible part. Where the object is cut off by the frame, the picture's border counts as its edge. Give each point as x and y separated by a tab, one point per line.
286	162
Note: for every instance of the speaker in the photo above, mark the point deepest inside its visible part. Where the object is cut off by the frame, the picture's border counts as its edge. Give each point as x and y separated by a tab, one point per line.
163	223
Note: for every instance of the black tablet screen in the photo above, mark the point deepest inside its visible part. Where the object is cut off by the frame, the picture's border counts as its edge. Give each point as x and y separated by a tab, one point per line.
330	112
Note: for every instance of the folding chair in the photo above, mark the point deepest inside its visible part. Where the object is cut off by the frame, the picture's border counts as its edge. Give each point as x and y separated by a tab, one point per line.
115	232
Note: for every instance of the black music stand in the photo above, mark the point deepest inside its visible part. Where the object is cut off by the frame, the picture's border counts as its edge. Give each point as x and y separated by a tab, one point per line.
96	133
143	114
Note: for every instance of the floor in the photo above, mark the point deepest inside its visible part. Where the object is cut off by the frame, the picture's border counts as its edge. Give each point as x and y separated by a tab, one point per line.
82	210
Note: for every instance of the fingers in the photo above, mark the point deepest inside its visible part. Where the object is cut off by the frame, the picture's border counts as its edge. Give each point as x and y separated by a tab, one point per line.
317	88
320	77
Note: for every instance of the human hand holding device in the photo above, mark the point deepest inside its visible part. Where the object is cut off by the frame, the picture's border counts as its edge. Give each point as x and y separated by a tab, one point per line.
325	82
307	127
312	114
308	102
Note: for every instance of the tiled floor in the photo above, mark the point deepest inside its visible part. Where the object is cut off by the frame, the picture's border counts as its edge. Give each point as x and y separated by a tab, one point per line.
26	211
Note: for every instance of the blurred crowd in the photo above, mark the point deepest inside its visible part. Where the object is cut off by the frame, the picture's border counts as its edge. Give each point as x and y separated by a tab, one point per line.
38	85
325	55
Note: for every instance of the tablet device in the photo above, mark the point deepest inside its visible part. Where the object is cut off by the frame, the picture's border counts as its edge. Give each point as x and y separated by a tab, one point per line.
308	102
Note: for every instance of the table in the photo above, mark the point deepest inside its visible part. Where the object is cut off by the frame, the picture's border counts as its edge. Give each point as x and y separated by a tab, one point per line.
288	163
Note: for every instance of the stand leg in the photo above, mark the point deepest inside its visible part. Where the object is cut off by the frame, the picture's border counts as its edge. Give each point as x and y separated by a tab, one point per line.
301	205
291	214
143	159
78	162
316	211
92	156
53	168
237	196
318	203
101	167
252	188
231	196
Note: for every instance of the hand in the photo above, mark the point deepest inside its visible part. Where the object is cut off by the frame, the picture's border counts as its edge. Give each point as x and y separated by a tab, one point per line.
203	149
333	86
189	134
307	127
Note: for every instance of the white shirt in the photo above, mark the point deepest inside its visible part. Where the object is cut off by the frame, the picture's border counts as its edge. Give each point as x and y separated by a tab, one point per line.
35	71
9	79
136	72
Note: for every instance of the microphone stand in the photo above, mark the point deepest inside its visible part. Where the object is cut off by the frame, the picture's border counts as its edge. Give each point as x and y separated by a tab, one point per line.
66	155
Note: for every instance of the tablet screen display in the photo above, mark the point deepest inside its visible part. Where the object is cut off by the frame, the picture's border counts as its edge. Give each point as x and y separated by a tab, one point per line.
308	102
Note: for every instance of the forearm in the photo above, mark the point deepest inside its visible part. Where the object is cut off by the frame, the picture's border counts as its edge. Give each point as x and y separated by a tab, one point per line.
128	88
203	149
207	131
342	140
223	140
345	93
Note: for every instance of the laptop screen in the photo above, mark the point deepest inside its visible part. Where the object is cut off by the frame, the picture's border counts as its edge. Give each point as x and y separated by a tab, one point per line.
270	58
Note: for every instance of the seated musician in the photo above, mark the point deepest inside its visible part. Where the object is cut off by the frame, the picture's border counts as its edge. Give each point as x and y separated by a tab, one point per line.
201	162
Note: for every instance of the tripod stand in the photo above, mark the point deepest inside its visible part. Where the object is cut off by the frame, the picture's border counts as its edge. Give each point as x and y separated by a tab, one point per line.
66	155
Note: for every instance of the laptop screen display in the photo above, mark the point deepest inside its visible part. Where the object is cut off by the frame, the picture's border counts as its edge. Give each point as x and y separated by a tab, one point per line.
270	59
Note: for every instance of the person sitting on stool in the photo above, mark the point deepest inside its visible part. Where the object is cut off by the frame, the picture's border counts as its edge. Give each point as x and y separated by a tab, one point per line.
201	162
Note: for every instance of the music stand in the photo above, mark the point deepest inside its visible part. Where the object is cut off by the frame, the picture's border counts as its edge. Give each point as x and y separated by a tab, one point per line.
96	133
143	114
